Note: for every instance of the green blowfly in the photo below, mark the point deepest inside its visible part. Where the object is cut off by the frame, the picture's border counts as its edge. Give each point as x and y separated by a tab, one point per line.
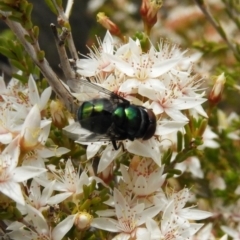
110	117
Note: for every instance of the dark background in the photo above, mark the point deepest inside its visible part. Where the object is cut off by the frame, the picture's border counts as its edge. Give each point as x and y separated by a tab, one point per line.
81	23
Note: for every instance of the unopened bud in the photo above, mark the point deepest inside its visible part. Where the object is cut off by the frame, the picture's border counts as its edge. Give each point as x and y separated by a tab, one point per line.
83	220
216	92
31	130
58	117
108	24
148	11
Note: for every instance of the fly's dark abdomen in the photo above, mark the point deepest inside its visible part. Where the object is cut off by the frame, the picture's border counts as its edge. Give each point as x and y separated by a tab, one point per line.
134	122
96	115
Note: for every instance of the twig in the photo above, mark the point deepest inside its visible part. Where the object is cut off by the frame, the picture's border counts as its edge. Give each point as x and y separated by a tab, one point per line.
72	47
217	27
63	20
232	12
63	94
66	67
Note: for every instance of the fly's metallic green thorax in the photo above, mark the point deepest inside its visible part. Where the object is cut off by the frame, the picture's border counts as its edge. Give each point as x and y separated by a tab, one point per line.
111	117
95	115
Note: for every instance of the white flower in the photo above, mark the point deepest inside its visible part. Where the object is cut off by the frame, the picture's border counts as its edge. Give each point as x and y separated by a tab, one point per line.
171	101
10	125
33	136
18	101
98	62
31	129
129	219
41	199
144	180
209	139
192	165
21	98
206	233
216	181
181	215
12	90
11	175
36	227
155	79
175	224
34	97
69	180
144	69
232	232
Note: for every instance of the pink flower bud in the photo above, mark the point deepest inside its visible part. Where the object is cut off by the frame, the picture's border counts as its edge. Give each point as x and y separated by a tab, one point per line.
216	92
108	24
148	11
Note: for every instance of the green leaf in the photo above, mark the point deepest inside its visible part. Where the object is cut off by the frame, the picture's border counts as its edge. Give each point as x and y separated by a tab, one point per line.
16	19
174	172
29	39
86	205
27	24
36	32
17	48
18	65
179	141
167	157
59	3
29	10
7	8
22	79
40	55
51	6
7	52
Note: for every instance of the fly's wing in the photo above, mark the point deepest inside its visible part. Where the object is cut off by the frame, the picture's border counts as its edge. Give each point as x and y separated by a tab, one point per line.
75	132
85	90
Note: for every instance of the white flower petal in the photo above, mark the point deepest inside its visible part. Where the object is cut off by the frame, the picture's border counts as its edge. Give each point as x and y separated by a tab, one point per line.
187	102
201	111
108	44
92	149
63	227
58	198
122	65
162	67
45	97
157	108
38	219
24	173
13	191
6	138
168	127
147	148
107	157
195	214
33	91
128	85
176	114
31	128
231	232
106	224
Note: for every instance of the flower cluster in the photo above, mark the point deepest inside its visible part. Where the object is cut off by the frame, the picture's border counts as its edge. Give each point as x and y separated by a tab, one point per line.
128	199
160	79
